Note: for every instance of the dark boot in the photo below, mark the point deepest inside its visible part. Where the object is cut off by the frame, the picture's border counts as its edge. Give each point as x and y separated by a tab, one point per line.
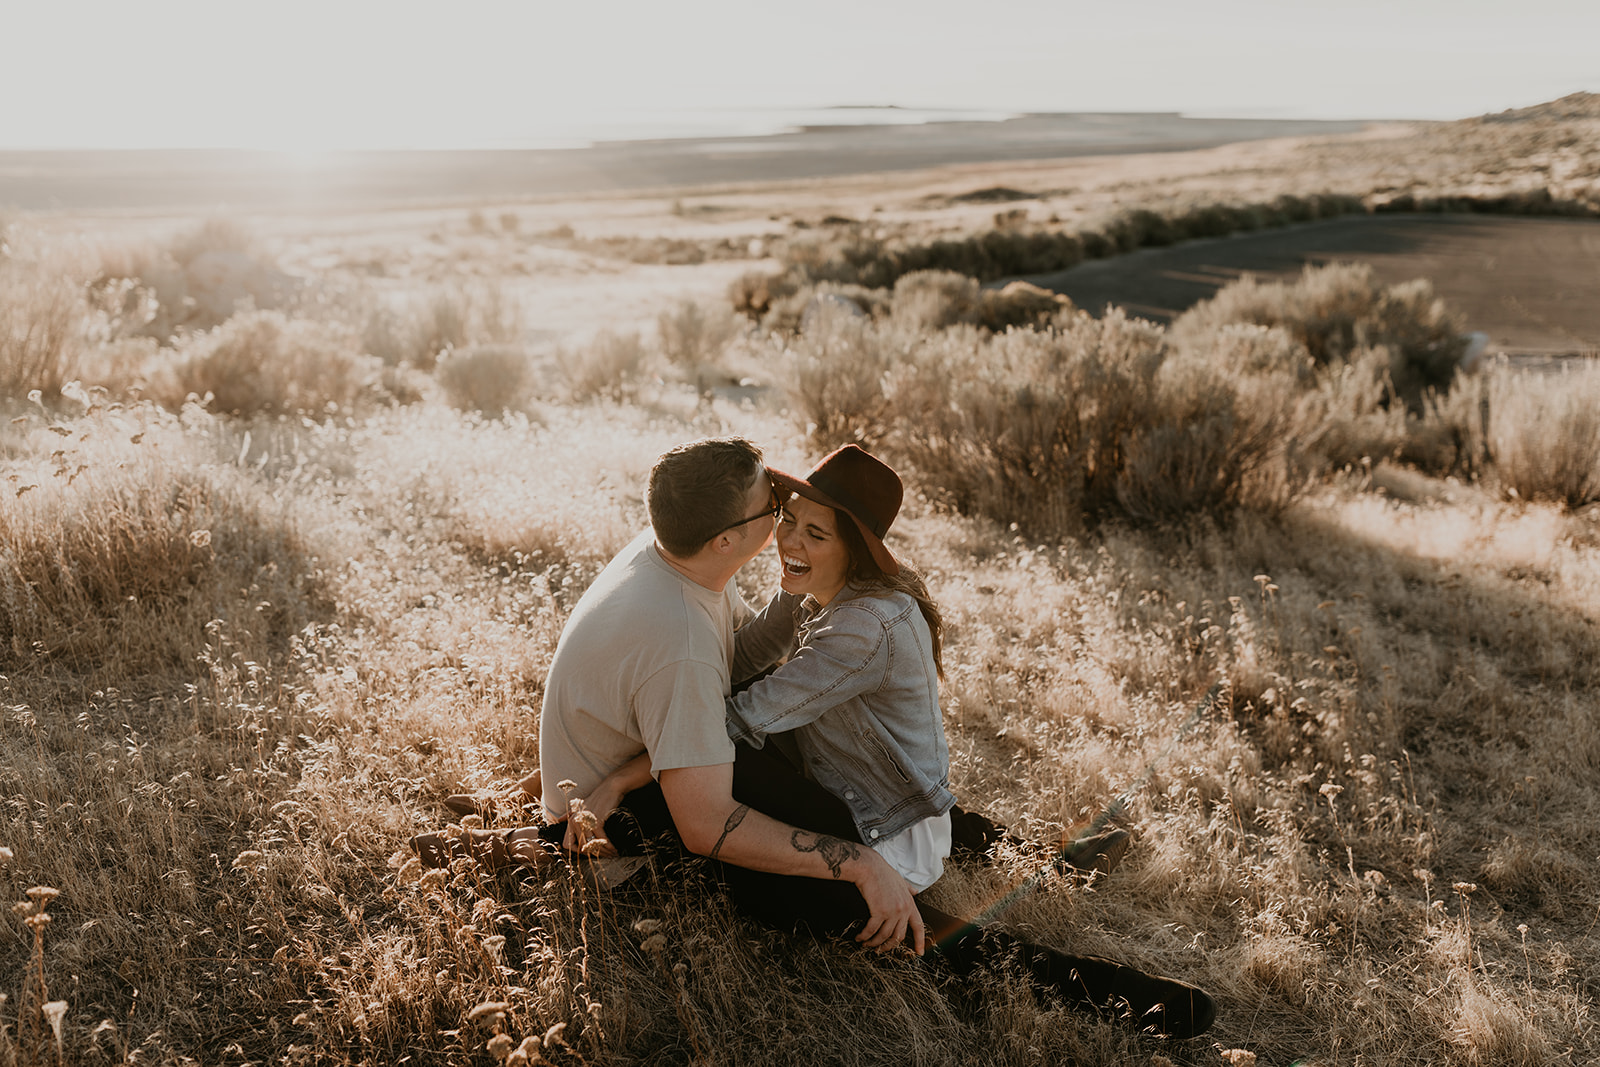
1154	1005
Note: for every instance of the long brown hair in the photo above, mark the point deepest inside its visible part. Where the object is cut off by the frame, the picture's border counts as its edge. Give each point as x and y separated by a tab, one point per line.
864	570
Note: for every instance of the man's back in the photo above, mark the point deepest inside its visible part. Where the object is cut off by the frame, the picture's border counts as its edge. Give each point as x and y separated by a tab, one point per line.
642	664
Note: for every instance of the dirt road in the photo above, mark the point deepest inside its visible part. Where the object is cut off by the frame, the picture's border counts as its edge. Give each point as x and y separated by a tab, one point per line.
1531	284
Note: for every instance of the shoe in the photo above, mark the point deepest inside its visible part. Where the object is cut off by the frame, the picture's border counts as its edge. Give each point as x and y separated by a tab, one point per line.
471	804
973	835
1162	1007
1154	1005
490	849
1095	854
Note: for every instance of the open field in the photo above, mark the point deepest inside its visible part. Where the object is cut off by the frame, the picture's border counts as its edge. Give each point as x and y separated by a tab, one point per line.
276	575
195	180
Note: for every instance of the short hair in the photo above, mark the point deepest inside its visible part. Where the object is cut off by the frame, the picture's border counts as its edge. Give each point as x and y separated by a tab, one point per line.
699	488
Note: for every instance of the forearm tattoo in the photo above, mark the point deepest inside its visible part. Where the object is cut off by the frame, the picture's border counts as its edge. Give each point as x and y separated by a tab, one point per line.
835	852
728	827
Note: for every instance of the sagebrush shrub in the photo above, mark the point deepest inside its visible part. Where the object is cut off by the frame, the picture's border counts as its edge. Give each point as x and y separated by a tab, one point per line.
691	335
1544	433
418	330
43	317
195	280
1051	429
490	379
1337	309
935	299
608	367
265	361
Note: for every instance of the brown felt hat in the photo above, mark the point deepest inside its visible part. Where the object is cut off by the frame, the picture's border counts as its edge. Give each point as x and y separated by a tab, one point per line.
852	481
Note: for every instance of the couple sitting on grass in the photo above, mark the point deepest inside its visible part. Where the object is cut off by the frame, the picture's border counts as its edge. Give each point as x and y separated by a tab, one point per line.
820	788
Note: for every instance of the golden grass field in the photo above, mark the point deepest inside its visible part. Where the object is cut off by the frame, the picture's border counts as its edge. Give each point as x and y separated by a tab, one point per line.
275	580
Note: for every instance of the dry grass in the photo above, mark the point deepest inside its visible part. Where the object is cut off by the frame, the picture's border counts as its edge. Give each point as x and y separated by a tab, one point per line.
242	659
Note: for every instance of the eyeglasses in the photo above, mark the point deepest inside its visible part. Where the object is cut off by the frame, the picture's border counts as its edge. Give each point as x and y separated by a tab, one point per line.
774	506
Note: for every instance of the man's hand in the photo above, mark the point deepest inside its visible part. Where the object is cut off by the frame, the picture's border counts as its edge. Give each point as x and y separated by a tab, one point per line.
892	903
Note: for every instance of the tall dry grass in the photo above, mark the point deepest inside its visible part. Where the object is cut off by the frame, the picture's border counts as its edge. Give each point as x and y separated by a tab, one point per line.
244	657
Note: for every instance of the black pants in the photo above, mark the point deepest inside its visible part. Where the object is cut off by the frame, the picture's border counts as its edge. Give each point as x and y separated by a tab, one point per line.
769	783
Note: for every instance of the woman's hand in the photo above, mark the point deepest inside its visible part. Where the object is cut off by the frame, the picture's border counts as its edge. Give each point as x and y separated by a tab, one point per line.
586	818
586	823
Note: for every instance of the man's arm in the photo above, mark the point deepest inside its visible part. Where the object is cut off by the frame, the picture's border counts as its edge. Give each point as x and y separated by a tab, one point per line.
713	824
765	639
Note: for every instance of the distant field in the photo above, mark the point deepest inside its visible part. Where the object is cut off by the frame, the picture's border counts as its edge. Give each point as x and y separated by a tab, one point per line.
1529	283
203	180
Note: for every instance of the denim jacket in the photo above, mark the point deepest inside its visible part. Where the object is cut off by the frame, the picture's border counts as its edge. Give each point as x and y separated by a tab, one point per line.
861	696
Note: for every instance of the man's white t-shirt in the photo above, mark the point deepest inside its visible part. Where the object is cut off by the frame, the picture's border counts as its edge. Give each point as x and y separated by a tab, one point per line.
642	665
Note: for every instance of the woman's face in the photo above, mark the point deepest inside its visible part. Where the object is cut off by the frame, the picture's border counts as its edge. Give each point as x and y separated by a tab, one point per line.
815	559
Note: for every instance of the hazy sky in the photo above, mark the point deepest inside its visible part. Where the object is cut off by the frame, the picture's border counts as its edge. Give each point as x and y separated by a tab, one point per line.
331	73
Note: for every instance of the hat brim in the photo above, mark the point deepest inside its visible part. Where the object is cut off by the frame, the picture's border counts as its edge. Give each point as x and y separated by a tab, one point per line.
880	554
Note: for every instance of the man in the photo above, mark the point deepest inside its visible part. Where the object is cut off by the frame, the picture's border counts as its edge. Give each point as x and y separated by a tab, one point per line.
646	661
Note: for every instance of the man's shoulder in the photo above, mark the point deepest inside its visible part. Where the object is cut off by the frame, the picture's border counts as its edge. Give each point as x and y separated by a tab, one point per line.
639	600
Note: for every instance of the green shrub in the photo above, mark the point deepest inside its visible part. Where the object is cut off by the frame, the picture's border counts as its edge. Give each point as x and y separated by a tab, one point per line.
263	361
